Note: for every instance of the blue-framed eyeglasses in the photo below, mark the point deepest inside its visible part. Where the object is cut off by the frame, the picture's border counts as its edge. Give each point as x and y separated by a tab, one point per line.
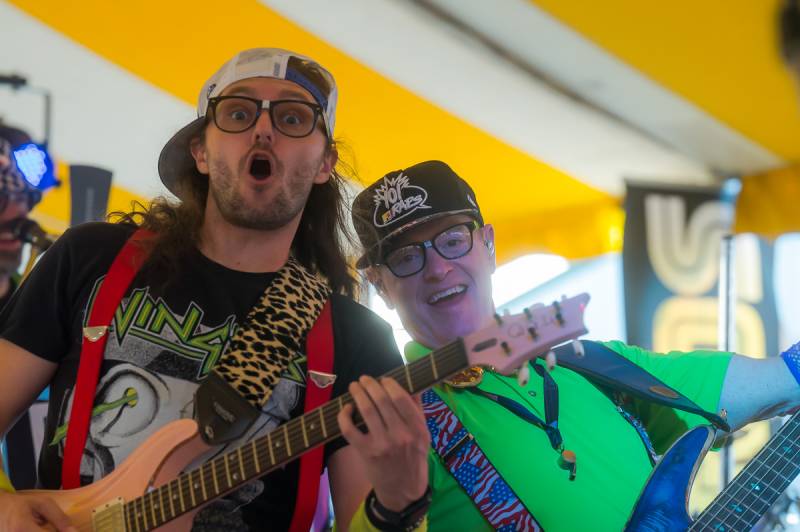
452	243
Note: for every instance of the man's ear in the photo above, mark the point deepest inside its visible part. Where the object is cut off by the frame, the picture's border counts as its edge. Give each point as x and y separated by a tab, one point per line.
198	149
488	241
328	164
374	277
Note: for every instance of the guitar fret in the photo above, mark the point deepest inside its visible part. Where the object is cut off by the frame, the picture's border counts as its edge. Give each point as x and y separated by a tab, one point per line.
269	446
180	495
161	504
143	514
434	370
132	516
409	384
288	445
303	427
255	456
322	423
190	483
211	467
241	464
149	502
126	510
171	499
202	483
227	471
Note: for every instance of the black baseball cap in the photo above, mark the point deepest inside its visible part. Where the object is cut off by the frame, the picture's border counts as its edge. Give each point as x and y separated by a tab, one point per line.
406	198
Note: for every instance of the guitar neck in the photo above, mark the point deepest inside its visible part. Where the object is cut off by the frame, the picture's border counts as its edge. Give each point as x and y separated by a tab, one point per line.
748	497
228	471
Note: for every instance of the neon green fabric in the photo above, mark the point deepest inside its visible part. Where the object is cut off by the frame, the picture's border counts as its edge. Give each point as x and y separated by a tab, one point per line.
612	463
5	484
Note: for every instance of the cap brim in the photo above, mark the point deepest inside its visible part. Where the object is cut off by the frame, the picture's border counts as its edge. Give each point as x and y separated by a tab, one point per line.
364	262
176	157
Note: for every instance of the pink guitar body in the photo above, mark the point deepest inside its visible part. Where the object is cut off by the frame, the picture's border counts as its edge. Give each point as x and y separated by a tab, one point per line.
160	459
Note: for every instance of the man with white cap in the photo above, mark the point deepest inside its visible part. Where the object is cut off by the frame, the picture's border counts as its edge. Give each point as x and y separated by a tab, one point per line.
235	277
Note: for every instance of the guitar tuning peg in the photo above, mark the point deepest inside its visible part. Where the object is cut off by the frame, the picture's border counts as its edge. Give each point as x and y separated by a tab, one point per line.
559	316
577	346
523	375
550	360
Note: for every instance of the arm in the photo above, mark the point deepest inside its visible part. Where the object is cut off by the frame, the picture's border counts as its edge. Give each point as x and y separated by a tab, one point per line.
23	376
757	389
391	458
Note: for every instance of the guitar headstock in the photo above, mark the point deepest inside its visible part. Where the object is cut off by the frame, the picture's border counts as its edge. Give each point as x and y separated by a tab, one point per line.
510	340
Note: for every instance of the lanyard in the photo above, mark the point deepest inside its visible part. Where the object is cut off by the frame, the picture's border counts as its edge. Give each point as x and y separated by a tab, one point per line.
566	458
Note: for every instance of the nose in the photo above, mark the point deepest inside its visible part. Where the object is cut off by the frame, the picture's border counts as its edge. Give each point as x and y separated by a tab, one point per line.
436	267
263	132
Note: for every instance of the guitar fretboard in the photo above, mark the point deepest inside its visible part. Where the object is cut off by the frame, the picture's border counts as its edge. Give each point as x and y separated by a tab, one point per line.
226	472
740	505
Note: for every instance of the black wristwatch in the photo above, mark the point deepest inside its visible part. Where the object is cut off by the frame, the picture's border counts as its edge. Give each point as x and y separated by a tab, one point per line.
406	520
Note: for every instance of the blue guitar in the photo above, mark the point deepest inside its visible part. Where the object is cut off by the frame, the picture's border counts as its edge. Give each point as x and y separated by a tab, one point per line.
663	503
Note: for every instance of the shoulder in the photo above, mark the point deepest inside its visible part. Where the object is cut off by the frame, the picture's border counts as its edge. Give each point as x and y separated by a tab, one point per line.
90	242
361	333
673	364
93	234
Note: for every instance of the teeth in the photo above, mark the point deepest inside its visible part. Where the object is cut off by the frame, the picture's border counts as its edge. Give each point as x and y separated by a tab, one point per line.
438	296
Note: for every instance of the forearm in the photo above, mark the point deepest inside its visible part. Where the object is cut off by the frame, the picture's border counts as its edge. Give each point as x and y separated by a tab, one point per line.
757	389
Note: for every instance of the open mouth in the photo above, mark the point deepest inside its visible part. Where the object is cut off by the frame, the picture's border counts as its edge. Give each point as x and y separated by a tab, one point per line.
260	168
447	295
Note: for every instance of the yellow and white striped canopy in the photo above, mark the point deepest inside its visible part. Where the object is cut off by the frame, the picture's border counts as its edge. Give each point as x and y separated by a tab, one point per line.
546	107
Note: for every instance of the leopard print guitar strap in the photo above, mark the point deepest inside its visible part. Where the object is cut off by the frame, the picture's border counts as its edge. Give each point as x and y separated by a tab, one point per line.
273	332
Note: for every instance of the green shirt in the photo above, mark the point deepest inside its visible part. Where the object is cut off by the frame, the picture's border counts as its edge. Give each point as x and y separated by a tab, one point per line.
612	462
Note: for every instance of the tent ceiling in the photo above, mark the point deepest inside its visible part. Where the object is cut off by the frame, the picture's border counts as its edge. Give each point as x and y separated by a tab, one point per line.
552	124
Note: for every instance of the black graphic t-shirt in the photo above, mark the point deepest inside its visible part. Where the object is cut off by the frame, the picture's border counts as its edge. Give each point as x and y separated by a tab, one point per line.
161	346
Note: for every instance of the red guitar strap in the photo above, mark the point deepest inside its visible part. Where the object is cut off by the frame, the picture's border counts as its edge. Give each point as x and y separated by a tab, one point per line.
319	353
119	277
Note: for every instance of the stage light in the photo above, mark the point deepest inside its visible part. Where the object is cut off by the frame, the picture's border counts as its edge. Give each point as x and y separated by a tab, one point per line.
36	165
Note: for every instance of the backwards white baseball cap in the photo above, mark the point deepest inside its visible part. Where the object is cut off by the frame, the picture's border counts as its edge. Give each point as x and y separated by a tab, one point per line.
176	158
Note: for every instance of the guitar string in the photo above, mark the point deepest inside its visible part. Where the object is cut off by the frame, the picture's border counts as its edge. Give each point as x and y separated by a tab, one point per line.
455	348
759	469
445	357
759	463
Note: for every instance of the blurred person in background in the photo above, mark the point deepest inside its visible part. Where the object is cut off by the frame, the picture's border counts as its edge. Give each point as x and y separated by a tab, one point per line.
17	198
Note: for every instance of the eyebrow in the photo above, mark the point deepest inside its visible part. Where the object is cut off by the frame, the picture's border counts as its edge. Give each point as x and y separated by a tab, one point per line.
285	93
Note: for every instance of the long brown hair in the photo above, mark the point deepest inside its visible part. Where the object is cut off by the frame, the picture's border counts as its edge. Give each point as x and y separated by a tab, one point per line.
319	243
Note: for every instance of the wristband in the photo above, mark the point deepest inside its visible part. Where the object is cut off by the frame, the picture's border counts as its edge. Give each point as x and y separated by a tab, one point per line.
410	518
792	358
5	484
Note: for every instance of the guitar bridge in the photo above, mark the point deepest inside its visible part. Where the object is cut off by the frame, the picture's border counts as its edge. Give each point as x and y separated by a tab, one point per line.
109	517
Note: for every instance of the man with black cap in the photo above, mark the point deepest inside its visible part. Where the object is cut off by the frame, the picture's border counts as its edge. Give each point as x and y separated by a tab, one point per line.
222	291
562	451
